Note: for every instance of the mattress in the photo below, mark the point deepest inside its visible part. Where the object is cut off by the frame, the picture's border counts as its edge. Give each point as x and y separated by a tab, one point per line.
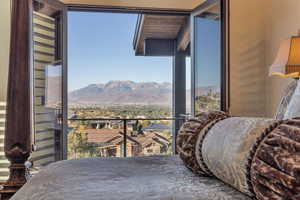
146	178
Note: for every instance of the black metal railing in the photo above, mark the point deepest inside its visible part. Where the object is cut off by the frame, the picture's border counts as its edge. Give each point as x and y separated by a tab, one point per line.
124	122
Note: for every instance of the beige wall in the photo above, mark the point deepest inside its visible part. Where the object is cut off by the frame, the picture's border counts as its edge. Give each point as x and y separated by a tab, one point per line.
4	46
282	22
247	49
257	27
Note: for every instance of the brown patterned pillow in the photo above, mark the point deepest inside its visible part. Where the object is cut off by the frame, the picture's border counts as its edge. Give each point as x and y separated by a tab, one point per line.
275	168
188	135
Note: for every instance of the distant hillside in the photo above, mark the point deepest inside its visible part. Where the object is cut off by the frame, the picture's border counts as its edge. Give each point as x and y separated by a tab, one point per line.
123	92
128	92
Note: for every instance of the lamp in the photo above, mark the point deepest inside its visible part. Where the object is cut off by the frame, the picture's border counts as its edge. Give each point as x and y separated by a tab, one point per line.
287	62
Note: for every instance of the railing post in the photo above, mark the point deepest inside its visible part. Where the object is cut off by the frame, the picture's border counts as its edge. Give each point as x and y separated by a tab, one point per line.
18	119
125	138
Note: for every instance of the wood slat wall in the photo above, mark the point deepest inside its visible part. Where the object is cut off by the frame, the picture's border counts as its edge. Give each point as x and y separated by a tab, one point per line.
4	163
44	53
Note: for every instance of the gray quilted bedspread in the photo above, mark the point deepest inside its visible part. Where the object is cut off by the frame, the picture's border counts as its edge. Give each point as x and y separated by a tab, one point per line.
140	178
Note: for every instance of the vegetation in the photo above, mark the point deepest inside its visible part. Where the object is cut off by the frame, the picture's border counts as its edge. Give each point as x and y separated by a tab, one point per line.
122	111
210	101
78	145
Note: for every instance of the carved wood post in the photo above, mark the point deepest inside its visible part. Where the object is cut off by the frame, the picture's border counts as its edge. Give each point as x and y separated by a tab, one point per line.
18	119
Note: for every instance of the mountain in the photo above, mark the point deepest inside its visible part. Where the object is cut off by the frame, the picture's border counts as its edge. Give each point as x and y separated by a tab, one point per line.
130	92
123	92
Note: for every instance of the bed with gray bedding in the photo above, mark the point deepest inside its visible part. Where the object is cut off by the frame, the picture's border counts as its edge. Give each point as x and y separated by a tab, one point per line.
140	178
254	157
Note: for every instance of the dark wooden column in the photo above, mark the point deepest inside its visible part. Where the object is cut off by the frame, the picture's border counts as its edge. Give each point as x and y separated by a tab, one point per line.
18	120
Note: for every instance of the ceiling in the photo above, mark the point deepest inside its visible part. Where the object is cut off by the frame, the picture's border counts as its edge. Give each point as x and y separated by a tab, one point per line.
145	4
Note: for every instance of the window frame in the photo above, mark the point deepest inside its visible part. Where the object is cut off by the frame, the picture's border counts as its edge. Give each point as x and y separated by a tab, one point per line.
191	14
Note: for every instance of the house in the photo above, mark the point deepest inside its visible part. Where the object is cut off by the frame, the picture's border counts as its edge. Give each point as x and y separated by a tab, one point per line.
110	142
33	38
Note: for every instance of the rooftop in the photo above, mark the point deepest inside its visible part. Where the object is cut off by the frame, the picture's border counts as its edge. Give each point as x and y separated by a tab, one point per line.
103	135
115	136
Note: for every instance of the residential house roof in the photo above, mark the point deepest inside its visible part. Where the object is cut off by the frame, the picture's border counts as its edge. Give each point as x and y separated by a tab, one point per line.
102	135
115	136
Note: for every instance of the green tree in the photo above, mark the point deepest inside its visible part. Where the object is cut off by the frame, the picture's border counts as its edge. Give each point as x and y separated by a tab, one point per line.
77	142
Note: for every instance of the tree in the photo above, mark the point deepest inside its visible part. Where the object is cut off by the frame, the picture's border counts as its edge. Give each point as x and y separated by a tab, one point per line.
77	142
78	146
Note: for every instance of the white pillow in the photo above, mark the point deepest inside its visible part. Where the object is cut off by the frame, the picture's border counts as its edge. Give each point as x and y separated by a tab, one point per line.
293	108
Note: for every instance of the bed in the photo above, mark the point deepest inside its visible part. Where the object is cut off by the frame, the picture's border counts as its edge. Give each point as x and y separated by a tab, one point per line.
147	178
254	157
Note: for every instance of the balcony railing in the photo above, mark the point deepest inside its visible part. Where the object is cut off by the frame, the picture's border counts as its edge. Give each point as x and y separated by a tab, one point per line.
124	122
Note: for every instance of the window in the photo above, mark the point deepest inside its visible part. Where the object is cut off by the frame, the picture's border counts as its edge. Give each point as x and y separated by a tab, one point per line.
124	93
207	58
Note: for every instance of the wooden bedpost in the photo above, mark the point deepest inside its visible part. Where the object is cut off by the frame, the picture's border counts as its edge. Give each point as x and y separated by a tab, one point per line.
17	145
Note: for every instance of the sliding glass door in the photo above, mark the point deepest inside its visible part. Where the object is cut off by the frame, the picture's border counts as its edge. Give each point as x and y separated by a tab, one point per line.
208	66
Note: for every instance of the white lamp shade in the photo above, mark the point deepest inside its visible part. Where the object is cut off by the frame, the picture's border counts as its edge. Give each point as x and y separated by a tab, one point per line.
278	67
287	62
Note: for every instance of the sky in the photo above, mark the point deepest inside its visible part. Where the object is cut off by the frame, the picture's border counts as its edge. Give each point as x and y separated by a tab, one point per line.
208	54
101	49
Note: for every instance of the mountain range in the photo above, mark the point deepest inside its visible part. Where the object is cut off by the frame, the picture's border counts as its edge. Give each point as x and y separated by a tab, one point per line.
123	92
128	92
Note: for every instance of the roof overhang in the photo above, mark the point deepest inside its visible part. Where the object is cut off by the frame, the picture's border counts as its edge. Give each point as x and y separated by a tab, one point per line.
154	31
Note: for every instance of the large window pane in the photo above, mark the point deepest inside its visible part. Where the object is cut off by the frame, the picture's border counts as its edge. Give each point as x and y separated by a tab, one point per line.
207	62
120	104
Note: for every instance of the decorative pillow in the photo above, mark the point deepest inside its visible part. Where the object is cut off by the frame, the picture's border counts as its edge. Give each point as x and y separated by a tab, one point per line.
227	146
188	136
293	108
275	167
257	156
286	98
